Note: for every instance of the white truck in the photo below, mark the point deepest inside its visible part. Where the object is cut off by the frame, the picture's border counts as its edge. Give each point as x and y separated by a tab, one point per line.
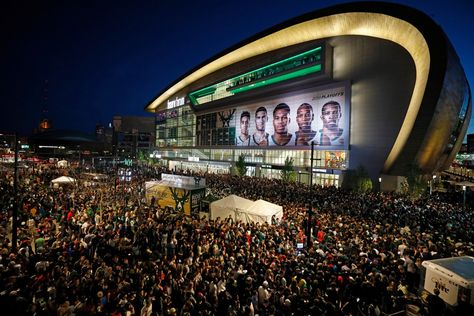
454	277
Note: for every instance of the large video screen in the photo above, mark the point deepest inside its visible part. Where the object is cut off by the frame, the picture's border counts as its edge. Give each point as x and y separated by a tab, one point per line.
321	116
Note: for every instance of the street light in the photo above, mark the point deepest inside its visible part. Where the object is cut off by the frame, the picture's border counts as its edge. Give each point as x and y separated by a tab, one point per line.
464	195
431	183
15	199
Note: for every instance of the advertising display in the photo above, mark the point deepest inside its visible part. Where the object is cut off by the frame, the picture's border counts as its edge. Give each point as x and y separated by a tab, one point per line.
335	160
176	198
183	194
321	116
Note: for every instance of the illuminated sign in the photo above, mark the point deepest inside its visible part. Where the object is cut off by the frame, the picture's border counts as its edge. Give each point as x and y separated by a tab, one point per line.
175	103
296	119
320	170
182	180
162	116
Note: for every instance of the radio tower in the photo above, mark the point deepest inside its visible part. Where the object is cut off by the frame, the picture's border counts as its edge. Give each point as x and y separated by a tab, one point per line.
45	123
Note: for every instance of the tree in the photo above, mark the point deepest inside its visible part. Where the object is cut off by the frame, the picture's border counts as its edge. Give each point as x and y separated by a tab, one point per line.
144	158
363	182
288	173
240	166
357	180
415	182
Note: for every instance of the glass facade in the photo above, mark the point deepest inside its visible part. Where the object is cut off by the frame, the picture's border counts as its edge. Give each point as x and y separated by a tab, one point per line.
303	64
175	127
261	162
208	141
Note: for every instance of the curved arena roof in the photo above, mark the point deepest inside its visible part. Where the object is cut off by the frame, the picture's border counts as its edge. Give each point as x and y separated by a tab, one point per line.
413	30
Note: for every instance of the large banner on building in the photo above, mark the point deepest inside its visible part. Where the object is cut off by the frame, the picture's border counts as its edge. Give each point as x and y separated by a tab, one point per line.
296	119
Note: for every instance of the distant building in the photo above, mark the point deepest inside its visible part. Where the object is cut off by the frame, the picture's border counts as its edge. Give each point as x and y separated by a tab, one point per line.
132	134
7	147
105	135
64	144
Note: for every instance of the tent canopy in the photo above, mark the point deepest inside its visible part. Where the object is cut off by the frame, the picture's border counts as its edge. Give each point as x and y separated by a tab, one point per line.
264	210
64	179
241	209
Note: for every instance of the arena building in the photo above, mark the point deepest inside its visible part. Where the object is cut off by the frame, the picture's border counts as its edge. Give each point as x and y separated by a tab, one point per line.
377	85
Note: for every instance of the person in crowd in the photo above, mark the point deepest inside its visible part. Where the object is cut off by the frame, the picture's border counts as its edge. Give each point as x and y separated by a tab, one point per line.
436	305
220	266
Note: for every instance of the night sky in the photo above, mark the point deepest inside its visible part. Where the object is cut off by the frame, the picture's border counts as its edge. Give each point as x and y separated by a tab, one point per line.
104	58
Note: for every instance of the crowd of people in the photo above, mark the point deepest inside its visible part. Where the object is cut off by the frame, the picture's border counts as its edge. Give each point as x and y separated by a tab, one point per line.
105	250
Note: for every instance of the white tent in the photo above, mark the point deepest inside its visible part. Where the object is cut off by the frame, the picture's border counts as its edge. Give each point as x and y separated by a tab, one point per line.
245	210
64	180
231	205
262	211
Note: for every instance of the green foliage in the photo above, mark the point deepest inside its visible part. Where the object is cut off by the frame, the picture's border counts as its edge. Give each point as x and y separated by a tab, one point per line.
240	167
144	158
363	182
357	180
288	173
414	184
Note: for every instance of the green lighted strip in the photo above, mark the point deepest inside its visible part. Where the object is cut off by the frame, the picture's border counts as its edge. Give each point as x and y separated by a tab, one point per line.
283	61
226	89
273	80
201	93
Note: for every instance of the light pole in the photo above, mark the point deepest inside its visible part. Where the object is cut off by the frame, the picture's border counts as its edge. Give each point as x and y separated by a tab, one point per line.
310	211
15	198
464	195
431	183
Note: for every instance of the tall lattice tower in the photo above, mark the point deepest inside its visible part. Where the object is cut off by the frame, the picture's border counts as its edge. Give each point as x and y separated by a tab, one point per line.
45	123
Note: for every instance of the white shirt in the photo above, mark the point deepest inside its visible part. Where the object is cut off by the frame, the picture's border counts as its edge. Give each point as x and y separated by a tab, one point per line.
240	142
289	142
